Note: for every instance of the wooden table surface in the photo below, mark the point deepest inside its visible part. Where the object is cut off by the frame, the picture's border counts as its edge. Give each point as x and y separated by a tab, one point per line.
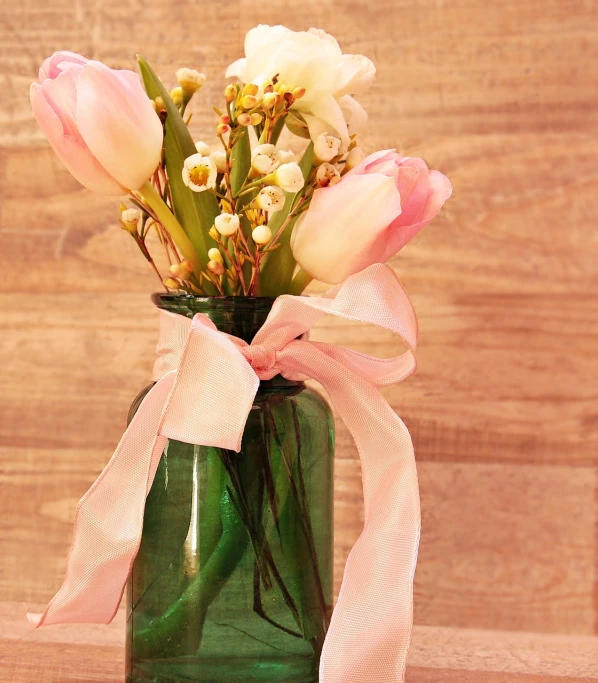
95	654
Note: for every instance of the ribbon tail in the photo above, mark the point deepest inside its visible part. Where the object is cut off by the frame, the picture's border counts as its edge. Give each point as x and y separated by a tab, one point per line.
370	630
109	521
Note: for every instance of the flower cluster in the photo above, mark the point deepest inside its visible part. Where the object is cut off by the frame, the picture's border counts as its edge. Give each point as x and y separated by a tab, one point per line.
245	216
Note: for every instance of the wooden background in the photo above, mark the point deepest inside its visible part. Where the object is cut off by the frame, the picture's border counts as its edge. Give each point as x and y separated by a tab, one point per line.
503	98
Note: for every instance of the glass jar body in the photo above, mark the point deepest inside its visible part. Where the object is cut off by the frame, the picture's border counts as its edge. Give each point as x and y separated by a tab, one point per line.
233	579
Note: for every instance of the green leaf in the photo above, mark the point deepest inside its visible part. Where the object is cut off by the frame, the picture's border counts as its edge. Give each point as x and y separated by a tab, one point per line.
195	211
297	125
277	272
240	156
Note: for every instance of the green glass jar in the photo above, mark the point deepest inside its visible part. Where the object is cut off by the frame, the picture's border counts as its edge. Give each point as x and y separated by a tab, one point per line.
233	580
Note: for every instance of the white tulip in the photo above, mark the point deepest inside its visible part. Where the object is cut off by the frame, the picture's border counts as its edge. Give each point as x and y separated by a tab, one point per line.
199	173
312	60
326	147
227	224
289	177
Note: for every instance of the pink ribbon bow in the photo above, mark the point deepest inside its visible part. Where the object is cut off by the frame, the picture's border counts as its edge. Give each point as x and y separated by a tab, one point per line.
206	383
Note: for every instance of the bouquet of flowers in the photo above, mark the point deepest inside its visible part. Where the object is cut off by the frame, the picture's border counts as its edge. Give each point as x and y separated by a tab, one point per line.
284	195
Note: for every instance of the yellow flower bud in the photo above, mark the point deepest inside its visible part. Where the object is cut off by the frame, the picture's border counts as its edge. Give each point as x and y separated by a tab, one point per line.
159	102
281	87
298	93
262	234
249	102
250	89
215	255
182	270
214	234
176	95
256	119
222	128
244	119
268	101
215	267
171	283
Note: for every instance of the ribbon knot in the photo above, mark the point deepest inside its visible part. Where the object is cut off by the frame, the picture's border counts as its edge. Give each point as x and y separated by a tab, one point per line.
262	359
206	382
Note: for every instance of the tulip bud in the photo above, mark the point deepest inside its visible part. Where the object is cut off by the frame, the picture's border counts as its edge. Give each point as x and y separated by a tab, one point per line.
215	255
182	270
130	220
171	283
249	102
190	81
216	267
270	198
222	128
177	96
326	147
250	89
227	224
219	158
327	175
268	101
244	119
262	234
298	93
289	177
230	92
256	119
355	156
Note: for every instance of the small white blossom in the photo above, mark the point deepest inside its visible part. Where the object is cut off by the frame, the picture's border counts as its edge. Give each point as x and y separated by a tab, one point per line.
355	156
227	224
262	234
270	198
190	80
203	148
326	147
263	159
327	175
130	218
199	173
289	177
219	158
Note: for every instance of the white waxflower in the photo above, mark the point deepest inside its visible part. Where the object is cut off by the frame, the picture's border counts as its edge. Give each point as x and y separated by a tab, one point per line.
263	159
284	156
262	234
270	198
227	224
190	80
203	148
289	177
130	219
219	158
326	147
327	175
199	173
355	156
312	60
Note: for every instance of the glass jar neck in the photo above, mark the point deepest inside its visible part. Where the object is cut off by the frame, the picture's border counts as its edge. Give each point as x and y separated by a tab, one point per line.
238	316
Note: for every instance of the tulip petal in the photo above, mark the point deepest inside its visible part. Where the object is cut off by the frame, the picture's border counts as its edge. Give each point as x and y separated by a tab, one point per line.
343	230
238	70
328	111
71	150
58	62
355	115
118	123
357	75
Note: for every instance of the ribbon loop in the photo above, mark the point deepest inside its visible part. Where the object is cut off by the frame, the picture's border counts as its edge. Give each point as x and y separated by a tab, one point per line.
206	385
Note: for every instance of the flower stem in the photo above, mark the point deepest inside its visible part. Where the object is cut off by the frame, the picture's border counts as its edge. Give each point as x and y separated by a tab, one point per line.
300	282
151	197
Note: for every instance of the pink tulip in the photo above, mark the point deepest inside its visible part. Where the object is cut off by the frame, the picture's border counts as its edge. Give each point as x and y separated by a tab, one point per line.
374	210
99	121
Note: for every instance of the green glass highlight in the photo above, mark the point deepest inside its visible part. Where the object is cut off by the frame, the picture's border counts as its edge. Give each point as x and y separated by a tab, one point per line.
233	580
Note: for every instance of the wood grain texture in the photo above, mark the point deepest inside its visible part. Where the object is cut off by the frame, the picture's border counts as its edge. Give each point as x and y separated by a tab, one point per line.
89	653
503	98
